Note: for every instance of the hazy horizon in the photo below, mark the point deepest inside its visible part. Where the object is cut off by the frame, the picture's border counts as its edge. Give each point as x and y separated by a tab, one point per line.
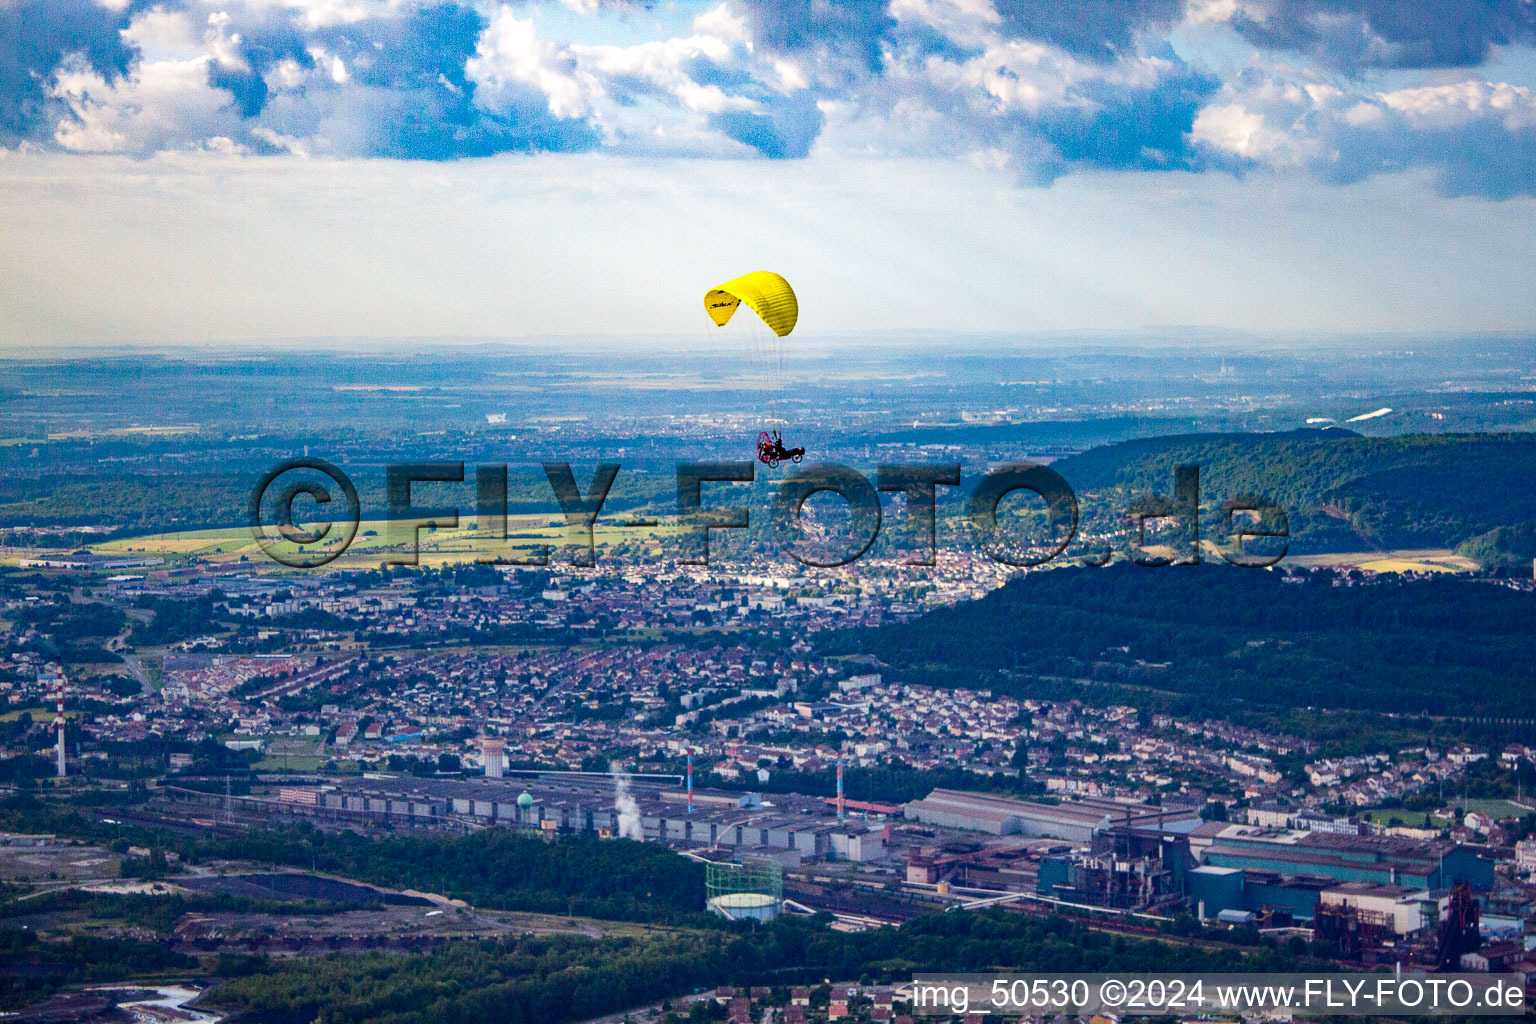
1164	338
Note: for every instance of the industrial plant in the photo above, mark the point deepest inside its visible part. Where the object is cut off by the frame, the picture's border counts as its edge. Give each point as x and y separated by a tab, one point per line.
1377	897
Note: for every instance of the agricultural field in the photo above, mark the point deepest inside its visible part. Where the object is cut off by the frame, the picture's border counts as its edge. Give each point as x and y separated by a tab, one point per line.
375	540
38	714
1432	560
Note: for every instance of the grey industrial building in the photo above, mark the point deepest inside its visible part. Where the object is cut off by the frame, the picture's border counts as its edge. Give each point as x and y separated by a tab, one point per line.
1077	821
790	833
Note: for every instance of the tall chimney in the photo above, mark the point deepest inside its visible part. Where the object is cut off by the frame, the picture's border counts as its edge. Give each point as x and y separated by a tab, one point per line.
59	727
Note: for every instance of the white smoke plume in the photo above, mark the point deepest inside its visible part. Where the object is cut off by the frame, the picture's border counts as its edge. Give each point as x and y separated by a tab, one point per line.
629	811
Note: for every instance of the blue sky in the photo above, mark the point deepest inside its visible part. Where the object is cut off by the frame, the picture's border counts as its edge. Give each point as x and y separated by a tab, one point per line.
198	171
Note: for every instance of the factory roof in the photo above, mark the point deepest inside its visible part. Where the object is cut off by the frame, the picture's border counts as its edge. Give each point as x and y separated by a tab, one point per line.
998	808
1413	849
1291	855
1389	892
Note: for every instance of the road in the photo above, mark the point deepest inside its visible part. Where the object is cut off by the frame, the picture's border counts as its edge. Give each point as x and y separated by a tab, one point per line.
119	645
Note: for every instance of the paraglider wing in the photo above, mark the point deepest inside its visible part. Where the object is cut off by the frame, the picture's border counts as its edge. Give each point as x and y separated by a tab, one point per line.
765	293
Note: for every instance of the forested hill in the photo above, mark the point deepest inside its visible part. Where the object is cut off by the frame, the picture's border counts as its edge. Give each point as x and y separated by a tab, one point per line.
1216	635
1341	491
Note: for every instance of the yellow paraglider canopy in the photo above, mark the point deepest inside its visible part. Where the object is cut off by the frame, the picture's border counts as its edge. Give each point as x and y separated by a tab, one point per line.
766	293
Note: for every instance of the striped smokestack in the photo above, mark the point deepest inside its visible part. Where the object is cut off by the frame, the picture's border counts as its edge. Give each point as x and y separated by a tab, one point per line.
59	727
